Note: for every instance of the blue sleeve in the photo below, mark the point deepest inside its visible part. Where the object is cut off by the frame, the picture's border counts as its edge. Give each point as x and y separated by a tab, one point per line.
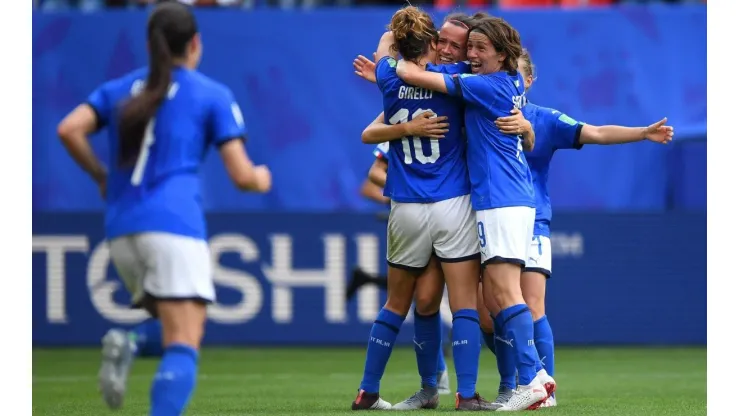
384	70
100	102
564	131
226	120
471	88
381	151
458	68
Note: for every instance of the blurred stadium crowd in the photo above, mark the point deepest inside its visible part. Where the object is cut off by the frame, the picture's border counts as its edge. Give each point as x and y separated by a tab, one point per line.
96	4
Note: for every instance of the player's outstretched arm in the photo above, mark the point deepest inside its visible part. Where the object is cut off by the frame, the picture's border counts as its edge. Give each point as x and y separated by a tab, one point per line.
73	132
657	132
424	125
517	124
245	175
415	75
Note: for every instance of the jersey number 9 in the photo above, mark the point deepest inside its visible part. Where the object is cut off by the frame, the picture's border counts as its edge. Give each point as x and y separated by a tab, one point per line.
402	116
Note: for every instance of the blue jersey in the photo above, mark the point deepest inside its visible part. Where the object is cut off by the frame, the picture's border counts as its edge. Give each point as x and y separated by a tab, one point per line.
381	151
421	169
163	193
499	173
553	130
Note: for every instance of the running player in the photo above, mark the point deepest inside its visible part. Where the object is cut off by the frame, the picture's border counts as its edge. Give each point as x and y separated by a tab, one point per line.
554	131
503	194
160	121
430	212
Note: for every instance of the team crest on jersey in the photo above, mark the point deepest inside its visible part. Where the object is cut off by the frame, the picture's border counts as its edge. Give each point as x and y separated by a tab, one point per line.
392	62
567	120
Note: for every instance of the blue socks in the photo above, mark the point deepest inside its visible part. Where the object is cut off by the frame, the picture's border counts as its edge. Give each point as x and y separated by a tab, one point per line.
517	328
545	344
147	337
382	337
505	355
441	363
489	340
174	381
428	345
466	350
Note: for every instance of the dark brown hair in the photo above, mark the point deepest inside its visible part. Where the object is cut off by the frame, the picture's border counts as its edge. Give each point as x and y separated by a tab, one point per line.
459	19
413	31
171	26
504	38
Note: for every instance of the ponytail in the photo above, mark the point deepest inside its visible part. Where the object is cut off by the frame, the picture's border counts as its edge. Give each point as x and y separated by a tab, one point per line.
141	108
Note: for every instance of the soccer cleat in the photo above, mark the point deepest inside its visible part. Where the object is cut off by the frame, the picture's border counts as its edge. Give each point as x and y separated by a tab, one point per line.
474	404
547	381
504	394
117	359
528	397
370	401
426	398
443	382
550	402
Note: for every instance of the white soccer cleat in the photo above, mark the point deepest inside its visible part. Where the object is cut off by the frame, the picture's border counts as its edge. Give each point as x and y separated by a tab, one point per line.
550	402
528	397
114	370
547	381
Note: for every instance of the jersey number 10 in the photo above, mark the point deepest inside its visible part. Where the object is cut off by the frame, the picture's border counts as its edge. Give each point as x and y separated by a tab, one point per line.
402	116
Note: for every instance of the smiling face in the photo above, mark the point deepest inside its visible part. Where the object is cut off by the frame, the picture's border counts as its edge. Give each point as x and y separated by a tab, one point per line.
483	57
451	44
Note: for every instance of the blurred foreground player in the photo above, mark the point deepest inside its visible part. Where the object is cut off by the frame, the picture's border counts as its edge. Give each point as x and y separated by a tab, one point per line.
161	120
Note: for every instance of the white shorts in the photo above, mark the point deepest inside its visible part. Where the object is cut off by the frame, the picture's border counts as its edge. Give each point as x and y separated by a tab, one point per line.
445	228
505	234
164	266
539	257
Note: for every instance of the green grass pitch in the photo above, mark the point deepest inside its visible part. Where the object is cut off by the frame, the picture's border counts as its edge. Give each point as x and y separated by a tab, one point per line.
312	381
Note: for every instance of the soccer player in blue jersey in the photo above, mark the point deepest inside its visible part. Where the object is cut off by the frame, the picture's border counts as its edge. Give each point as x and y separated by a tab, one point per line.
430	213
554	131
161	120
503	194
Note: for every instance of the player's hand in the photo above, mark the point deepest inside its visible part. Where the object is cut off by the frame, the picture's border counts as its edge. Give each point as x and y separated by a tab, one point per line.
365	68
263	178
513	124
427	125
659	133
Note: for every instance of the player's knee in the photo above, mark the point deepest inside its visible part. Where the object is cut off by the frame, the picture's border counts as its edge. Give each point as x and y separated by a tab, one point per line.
182	322
398	305
536	304
427	301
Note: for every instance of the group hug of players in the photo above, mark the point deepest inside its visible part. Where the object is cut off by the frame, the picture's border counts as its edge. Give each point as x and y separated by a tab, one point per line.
463	160
464	197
